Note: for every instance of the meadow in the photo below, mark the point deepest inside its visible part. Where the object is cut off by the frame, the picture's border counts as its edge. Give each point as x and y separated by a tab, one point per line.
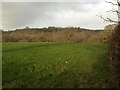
54	65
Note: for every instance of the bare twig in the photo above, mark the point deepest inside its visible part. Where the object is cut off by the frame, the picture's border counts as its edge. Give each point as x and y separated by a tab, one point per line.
108	19
112	3
115	11
118	3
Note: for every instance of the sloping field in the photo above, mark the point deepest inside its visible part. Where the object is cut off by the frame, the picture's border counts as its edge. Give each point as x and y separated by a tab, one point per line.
53	65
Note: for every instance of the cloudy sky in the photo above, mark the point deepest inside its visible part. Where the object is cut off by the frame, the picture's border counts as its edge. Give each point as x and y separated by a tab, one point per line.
62	13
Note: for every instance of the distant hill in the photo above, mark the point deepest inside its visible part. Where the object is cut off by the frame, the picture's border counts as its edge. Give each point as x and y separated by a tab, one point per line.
56	34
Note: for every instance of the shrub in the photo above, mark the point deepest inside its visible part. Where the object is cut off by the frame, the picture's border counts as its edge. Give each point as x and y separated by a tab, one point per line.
114	53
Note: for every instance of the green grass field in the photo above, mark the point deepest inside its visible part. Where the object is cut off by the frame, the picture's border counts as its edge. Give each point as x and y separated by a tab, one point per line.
54	65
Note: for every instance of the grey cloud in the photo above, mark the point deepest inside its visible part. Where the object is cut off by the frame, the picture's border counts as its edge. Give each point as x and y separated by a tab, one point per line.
51	0
0	15
18	14
24	13
21	14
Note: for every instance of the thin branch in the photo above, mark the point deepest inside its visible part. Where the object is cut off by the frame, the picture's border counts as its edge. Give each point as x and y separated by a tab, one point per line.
108	19
118	2
113	3
115	11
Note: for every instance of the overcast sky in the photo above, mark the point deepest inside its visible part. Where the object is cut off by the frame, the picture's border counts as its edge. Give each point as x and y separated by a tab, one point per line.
64	13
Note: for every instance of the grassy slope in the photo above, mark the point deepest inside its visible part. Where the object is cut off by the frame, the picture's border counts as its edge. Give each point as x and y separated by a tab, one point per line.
54	65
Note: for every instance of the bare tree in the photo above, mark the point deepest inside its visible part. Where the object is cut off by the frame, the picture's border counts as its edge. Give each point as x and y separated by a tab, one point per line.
108	19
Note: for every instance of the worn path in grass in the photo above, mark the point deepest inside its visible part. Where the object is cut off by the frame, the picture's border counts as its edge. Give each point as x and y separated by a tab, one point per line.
71	65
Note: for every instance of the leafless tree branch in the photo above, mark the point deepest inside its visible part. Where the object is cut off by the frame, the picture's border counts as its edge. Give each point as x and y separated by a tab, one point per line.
115	11
113	3
108	19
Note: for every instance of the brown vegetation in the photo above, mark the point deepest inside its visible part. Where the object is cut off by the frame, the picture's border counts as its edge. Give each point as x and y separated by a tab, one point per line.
114	54
54	34
0	35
